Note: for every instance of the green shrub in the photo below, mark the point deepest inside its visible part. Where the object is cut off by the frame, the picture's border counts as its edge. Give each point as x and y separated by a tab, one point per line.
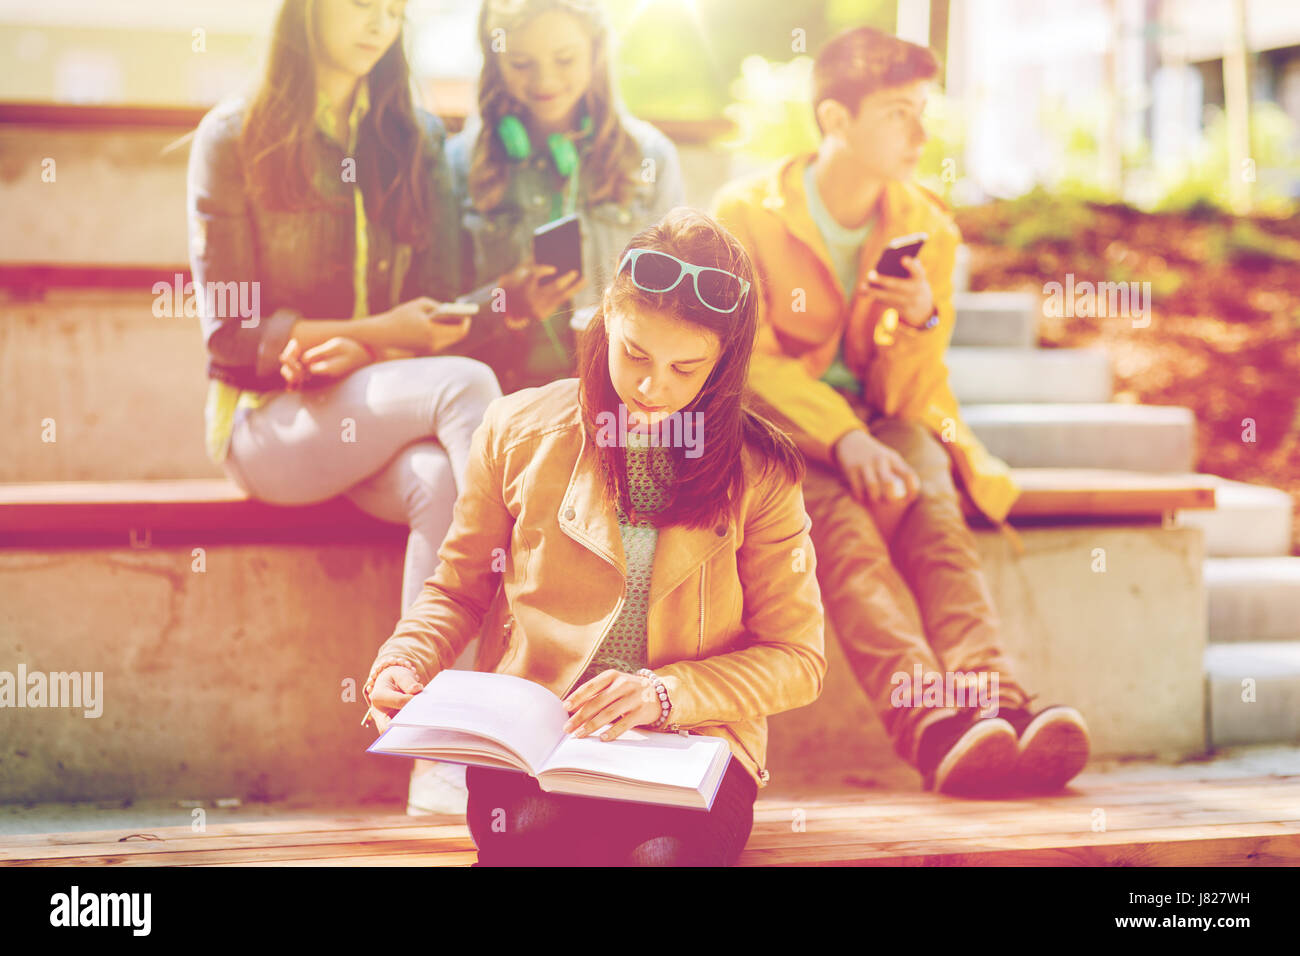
772	110
1245	244
1040	217
1199	185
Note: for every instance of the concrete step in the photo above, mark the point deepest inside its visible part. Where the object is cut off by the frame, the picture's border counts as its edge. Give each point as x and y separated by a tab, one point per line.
1000	375
1106	435
1246	521
961	269
1253	599
996	319
1267	675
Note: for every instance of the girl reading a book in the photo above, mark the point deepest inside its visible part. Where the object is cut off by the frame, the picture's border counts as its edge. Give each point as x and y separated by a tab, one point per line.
652	582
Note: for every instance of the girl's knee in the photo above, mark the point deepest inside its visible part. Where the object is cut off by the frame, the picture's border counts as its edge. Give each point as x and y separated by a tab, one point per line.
424	479
673	850
465	379
476	381
664	851
524	832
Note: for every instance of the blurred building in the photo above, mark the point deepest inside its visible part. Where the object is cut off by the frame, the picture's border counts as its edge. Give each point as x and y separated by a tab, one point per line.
1142	77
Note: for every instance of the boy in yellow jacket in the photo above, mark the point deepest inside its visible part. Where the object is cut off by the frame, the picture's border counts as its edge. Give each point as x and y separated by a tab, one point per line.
852	363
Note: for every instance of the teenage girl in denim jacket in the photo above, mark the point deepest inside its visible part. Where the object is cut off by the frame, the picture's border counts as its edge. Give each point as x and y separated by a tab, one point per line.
329	193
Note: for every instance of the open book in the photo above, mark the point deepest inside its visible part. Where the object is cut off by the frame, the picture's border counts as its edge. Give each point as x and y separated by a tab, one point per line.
496	720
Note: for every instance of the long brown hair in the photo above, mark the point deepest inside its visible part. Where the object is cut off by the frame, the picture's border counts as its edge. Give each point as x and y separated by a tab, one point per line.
704	487
281	122
612	160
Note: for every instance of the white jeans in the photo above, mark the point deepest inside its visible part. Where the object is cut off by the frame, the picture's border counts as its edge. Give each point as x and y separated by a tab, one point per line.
394	437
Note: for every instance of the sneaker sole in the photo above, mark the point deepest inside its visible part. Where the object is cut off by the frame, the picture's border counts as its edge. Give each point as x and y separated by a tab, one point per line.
432	793
1053	749
980	761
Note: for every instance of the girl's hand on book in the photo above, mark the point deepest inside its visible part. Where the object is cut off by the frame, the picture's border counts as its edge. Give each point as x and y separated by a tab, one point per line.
611	697
394	688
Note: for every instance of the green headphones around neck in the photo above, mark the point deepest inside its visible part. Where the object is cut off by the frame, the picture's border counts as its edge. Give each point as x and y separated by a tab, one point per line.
564	154
518	146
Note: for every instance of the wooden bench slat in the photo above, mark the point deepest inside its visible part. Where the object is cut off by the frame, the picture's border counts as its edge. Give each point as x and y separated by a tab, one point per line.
1085	491
403	859
181	505
879	830
1213	821
217	504
180	841
1249	844
437	824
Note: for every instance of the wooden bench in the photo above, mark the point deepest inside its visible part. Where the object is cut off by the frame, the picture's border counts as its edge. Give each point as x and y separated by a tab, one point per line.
1062	494
1187	816
92	510
99	511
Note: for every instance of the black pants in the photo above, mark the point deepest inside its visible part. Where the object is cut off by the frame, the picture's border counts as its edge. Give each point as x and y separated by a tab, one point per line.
516	823
522	359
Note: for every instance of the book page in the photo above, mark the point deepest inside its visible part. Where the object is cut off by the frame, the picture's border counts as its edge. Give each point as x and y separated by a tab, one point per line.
450	746
520	714
644	755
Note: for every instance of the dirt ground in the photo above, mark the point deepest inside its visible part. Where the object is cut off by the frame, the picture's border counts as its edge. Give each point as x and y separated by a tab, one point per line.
1224	331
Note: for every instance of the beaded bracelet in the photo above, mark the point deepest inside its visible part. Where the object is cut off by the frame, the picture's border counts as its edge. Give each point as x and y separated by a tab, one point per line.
665	705
383	664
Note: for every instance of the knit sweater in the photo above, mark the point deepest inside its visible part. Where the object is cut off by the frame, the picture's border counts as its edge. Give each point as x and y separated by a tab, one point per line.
649	479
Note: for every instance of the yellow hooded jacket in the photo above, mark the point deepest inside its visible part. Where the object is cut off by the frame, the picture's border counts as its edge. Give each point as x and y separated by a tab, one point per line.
803	315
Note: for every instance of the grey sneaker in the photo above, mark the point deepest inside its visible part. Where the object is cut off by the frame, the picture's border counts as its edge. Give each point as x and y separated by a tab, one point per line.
437	787
1053	746
960	755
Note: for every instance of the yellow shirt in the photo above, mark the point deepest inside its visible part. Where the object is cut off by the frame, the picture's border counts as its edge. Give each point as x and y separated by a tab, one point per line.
224	399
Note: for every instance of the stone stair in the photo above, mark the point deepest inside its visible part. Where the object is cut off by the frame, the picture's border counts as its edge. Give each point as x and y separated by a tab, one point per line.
987	375
1037	407
1052	435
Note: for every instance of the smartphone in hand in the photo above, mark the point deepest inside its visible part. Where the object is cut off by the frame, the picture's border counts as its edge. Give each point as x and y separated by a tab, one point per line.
890	262
454	313
559	244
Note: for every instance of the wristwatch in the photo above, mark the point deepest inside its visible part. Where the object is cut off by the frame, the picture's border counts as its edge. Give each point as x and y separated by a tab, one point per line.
930	323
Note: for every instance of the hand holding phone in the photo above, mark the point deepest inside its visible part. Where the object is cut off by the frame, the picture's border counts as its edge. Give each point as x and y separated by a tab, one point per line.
454	313
559	244
890	262
899	281
427	326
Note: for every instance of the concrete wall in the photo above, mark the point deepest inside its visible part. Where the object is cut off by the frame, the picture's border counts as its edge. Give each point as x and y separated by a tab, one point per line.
229	682
118	196
222	683
124	388
1123	646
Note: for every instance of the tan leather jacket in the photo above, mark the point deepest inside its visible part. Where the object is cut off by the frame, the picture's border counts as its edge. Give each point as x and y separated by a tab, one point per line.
735	620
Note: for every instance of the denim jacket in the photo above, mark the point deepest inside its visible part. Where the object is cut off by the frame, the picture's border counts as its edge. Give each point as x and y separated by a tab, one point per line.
301	260
501	239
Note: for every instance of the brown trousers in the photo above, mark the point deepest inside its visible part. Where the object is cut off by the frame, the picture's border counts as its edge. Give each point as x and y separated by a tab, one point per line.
903	586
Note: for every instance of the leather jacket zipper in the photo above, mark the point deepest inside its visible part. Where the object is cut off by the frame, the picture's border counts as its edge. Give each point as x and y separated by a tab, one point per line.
595	647
699	645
